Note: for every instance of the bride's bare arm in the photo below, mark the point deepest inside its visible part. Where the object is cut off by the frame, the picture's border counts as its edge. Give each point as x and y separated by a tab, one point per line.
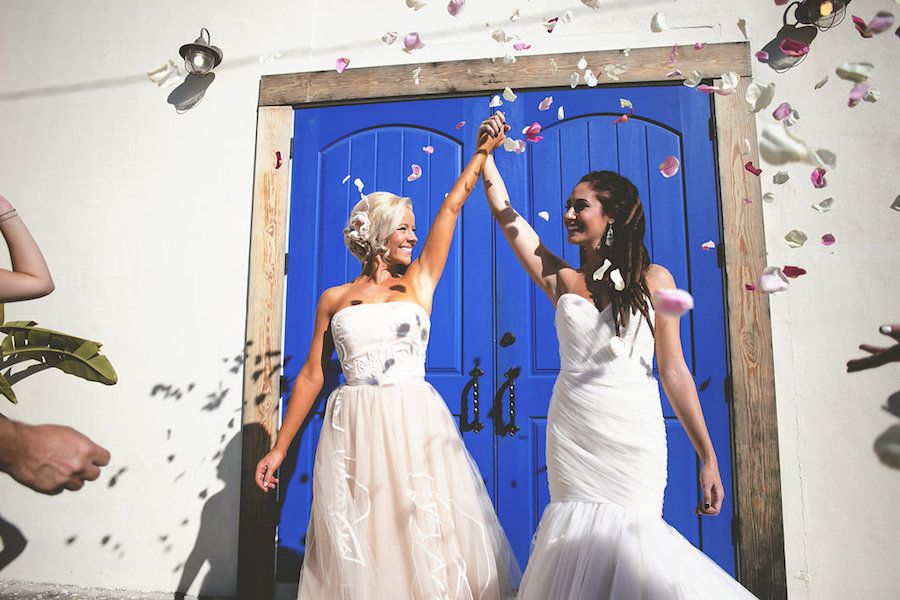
678	384
306	388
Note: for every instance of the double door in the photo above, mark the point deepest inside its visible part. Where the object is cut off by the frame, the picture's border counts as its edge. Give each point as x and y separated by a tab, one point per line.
493	354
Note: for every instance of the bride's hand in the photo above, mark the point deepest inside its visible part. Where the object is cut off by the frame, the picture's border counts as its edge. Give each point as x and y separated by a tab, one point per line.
265	470
713	491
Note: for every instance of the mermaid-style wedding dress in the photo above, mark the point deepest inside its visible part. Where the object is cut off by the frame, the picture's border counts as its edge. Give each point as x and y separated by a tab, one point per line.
399	508
602	535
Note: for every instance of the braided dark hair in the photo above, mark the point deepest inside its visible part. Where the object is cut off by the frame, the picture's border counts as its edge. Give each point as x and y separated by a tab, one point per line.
628	253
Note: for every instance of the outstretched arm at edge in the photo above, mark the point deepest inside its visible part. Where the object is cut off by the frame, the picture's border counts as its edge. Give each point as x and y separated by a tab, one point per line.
30	277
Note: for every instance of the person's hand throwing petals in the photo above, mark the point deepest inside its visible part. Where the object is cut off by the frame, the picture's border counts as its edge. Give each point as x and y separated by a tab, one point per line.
878	355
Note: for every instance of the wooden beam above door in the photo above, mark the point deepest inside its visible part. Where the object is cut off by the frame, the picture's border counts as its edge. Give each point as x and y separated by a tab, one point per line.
492	75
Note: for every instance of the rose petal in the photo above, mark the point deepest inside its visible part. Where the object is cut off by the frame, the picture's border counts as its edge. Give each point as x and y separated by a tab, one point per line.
591	3
768	197
857	72
742	25
861	27
729	82
412	42
669	166
624	118
511	145
857	93
675	73
428	149
416	73
601	270
625	103
672	303
818	178
699	45
658	23
532	130
780	177
545	103
792	118
415	4
582	64
544	215
345	179
872	95
673	54
416	173
821	82
550	24
500	36
782	112
359	184
573	80
568	17
749	287
613	71
772	281
278	161
745	148
827	157
455	7
825	205
762	56
749	166
793	272
693	78
560	113
341	64
795	238
708	245
521	46
705	88
778	146
827	239
793	47
617	346
748	201
496	101
461	124
508	59
589	78
514	16
617	280
759	96
389	38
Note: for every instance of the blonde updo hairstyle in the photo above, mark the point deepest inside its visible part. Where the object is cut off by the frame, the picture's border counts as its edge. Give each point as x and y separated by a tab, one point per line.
372	221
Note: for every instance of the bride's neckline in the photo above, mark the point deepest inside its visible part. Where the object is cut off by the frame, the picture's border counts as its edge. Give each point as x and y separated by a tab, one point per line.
588	300
416	304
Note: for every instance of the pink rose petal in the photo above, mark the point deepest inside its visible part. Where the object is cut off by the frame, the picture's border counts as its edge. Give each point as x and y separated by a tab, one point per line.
782	112
772	281
550	24
669	166
545	103
673	54
389	38
708	89
818	178
521	46
341	64
793	272
857	94
461	124
455	7
428	149
708	245
624	118
861	27
749	287
675	73
531	132
278	161
827	239
412	42
762	55
749	166
416	173
672	303
793	47
699	45
748	201
881	22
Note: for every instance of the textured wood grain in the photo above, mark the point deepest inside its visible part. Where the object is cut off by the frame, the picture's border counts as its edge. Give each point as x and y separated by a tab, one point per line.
271	185
485	75
755	429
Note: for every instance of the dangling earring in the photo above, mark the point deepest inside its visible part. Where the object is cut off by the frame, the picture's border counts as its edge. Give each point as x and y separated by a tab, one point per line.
609	235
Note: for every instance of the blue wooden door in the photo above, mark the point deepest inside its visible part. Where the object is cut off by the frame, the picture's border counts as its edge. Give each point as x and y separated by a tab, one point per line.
486	313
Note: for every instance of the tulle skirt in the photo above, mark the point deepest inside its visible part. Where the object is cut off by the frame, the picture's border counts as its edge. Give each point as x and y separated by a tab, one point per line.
399	508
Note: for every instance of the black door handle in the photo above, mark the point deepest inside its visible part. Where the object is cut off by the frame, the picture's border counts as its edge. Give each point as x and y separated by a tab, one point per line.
476	425
510	428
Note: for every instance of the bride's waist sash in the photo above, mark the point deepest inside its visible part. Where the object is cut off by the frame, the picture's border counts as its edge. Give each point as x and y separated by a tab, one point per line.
385	379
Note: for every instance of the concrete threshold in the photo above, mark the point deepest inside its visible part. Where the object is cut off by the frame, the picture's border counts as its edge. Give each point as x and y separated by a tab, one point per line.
21	590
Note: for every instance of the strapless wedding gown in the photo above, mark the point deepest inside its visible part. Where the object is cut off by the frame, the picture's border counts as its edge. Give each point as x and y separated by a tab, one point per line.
399	508
602	535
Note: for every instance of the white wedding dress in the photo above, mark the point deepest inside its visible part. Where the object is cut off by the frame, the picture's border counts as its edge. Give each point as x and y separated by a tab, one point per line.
399	508
602	535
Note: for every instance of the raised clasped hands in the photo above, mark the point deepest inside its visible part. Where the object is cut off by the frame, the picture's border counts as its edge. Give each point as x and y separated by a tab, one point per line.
492	132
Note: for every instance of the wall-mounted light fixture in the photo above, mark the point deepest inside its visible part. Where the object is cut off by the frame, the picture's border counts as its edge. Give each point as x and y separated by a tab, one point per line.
824	14
201	57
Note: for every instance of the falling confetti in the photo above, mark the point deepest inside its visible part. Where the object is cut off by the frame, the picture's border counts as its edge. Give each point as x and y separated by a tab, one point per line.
613	71
795	238
710	245
669	166
544	215
624	118
341	64
749	166
595	4
545	103
416	173
818	178
568	17
511	145
618	282
856	94
827	239
672	303
825	205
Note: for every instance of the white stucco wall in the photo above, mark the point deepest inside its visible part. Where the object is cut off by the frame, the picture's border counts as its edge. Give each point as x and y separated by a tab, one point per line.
143	216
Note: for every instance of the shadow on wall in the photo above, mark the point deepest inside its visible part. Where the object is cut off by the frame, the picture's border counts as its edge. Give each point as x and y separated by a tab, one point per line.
13	543
887	445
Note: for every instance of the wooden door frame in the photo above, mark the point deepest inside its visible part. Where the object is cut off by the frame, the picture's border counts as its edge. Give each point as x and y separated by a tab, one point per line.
758	528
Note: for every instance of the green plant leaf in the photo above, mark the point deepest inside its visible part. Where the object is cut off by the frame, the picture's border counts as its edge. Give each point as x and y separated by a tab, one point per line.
6	390
70	354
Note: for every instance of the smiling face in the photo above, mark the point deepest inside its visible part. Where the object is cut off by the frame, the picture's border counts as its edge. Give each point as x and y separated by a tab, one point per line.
402	241
584	218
